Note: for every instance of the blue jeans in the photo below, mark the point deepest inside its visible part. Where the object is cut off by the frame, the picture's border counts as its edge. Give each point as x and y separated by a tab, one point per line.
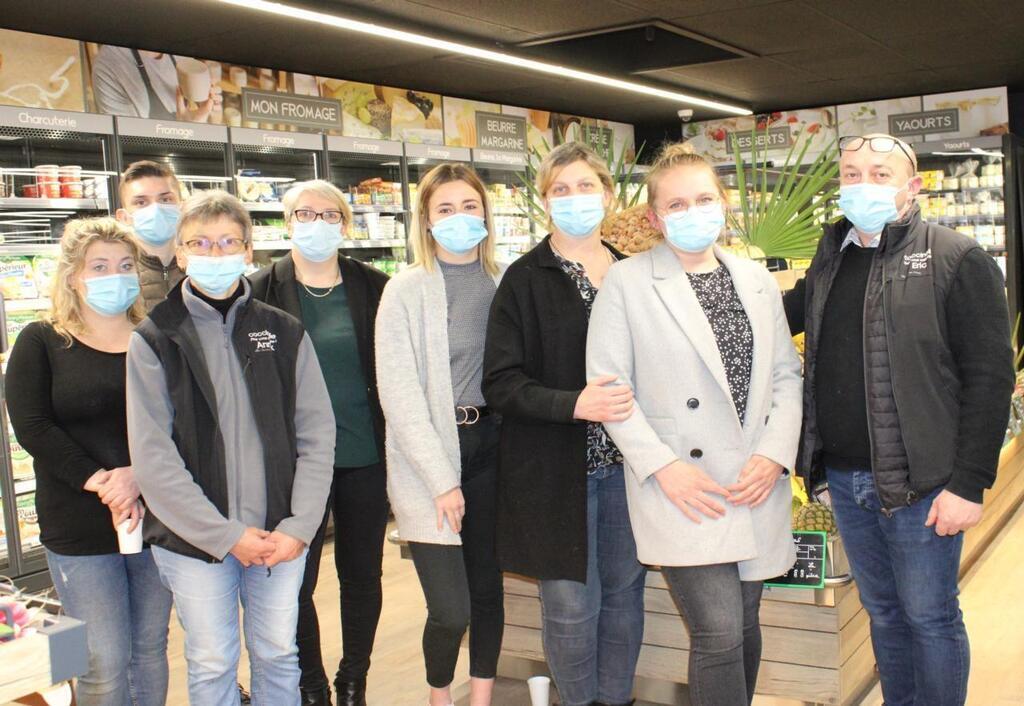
907	577
592	631
126	611
206	598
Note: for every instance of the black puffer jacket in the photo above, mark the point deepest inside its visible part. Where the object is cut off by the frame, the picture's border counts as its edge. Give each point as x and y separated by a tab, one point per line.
937	359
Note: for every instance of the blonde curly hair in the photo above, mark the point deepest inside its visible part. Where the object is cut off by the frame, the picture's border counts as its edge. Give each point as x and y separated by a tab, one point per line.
65	314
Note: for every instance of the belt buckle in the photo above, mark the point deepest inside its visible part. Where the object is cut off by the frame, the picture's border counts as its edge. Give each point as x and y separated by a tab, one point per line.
466	415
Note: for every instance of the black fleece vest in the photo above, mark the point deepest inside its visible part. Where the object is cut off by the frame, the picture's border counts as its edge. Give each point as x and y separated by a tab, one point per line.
912	384
266	341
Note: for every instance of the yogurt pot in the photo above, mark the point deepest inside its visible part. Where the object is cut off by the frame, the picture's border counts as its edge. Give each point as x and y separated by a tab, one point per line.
30	191
49	189
46	173
71	190
71	173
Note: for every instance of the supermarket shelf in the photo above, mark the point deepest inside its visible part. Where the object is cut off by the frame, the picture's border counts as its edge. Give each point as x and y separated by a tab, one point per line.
264	206
29	248
976	217
278	207
55	204
27	485
346	244
962	190
26	304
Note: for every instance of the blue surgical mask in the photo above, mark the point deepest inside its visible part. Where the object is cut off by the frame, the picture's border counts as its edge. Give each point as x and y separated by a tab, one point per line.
579	215
459	233
695	229
869	207
156	223
215	275
111	295
317	241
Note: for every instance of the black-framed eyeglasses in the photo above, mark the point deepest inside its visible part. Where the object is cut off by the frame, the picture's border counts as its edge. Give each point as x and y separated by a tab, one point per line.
308	215
227	246
880	144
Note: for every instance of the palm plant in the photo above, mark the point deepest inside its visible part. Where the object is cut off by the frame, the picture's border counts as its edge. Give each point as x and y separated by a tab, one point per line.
532	203
784	220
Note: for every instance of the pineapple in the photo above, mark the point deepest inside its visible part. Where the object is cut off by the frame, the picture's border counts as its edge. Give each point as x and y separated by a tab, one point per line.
814	517
630	232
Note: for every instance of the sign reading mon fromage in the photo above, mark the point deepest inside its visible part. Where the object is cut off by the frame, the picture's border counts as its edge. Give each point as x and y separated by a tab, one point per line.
270	107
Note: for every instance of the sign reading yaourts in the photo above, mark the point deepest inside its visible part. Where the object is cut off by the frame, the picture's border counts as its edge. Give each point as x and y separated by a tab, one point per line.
500	132
270	107
924	122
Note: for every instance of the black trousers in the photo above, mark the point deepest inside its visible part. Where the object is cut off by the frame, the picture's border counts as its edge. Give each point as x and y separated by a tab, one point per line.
463	584
359	501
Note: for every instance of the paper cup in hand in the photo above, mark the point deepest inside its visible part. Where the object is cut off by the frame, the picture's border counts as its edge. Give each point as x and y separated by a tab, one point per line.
129	542
194	79
540	690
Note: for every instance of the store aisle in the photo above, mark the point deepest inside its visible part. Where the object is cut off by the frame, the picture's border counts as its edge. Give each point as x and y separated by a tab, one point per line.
992	599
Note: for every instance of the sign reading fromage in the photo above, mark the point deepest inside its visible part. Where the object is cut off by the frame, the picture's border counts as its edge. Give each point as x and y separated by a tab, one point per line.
271	138
364	146
171	130
448	154
500	132
55	120
925	122
272	107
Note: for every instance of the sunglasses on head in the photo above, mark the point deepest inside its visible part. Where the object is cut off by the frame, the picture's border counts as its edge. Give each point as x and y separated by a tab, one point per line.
882	145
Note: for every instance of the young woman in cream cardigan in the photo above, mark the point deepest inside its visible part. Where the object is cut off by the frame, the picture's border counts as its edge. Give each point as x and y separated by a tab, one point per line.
441	439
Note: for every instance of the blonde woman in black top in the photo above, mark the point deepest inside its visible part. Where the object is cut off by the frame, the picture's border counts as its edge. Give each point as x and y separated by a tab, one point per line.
66	398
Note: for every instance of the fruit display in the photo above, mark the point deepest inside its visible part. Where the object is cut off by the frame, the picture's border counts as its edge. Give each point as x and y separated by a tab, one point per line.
630	231
814	517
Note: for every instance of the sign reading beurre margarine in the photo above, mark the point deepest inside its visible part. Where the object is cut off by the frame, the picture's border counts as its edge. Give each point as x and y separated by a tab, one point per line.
500	132
305	111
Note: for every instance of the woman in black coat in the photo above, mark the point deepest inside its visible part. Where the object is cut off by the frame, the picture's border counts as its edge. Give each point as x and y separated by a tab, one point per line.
562	515
336	299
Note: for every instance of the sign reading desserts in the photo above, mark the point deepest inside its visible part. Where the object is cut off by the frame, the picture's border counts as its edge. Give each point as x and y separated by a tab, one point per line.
777	133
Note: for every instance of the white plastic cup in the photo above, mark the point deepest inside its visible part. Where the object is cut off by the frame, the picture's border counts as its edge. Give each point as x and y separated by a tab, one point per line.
540	691
129	542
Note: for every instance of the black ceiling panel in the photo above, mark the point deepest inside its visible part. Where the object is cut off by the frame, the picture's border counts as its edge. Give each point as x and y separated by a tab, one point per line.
801	52
631	49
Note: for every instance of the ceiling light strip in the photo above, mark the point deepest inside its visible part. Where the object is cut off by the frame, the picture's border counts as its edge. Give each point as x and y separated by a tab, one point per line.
352	25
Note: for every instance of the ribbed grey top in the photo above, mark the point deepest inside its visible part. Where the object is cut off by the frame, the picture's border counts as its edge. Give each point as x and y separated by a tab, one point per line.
469	290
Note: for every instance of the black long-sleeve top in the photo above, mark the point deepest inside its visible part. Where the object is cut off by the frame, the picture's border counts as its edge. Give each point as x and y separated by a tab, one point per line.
67	407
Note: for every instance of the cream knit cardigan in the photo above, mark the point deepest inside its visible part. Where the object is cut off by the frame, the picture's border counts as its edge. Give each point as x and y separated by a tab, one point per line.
415	386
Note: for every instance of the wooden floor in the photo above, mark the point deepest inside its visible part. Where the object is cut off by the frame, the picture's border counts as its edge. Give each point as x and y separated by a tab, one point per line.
992	600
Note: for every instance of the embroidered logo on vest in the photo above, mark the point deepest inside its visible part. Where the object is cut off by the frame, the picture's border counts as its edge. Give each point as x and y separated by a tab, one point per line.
264	340
917	262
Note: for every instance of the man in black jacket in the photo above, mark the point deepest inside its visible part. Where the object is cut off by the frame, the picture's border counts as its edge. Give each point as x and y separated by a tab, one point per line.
908	376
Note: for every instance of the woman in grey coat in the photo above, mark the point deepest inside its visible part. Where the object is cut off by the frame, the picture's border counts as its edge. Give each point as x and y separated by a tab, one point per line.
441	441
702	338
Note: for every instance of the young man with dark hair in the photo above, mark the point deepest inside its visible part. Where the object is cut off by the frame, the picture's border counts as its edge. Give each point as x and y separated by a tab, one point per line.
150	204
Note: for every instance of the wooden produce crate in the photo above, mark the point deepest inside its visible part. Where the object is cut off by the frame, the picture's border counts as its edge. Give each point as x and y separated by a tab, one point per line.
54	654
817	646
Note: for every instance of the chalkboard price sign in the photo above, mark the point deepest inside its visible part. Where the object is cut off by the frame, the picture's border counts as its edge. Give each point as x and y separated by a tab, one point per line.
810	566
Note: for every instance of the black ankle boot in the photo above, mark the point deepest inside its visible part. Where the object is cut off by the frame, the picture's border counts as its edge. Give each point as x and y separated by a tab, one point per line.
320	696
352	693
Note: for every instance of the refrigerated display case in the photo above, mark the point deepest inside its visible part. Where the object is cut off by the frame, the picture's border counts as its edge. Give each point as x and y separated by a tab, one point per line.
54	166
266	164
371	173
197	153
504	174
973	186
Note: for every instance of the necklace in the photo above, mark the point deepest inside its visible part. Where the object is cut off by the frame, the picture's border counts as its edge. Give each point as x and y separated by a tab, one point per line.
326	294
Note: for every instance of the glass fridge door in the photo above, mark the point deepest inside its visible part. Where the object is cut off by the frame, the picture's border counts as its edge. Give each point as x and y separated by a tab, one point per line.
197	153
504	174
370	173
268	163
965	188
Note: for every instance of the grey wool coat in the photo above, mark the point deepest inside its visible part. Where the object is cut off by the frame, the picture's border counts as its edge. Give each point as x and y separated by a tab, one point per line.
648	328
414	381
